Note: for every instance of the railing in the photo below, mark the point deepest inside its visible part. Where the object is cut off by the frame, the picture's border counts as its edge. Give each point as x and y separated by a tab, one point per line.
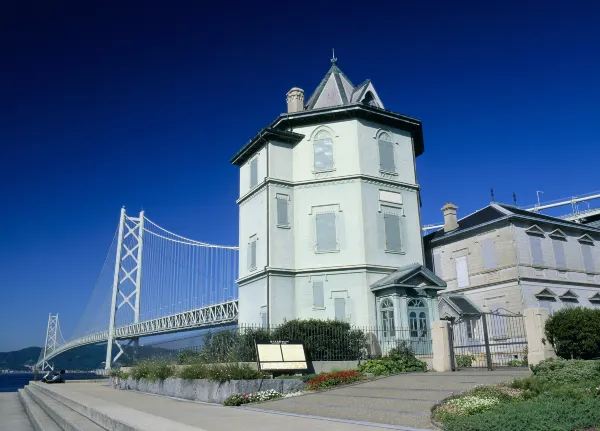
322	343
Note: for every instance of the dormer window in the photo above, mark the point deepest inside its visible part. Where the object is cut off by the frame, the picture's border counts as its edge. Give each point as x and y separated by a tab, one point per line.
370	100
323	148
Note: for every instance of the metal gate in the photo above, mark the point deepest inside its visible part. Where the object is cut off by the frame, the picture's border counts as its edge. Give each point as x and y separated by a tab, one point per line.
488	340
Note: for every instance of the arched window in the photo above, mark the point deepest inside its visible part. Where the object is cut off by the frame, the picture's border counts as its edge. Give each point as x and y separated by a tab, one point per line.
417	318
323	147
416	303
387	318
387	162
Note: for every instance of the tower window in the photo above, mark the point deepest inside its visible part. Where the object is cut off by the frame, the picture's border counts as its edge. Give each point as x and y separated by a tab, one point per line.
393	235
253	173
283	218
252	253
326	231
386	153
323	148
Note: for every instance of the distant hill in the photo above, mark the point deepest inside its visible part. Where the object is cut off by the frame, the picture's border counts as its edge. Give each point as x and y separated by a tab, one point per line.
83	358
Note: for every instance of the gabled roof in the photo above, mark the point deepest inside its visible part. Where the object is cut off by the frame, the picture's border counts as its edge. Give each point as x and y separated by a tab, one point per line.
535	230
545	293
586	238
569	294
594	298
557	233
460	304
266	134
410	275
336	89
496	212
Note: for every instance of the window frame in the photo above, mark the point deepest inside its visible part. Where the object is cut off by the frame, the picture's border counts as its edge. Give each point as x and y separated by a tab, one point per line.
325	136
385	137
466	260
280	197
252	257
322	296
336	247
399	214
253	172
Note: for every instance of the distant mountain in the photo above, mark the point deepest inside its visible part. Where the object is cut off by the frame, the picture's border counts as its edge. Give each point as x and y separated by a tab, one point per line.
83	358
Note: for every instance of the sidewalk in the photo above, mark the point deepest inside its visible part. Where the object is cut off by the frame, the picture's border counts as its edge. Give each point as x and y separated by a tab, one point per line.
211	417
402	400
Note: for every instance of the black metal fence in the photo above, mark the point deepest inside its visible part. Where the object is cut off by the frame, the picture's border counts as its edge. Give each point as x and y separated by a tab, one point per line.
326	342
489	340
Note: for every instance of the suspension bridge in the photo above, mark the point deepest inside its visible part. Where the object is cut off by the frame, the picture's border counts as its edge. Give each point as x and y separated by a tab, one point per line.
152	282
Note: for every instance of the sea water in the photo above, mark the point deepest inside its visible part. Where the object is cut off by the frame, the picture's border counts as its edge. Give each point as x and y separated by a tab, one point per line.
12	382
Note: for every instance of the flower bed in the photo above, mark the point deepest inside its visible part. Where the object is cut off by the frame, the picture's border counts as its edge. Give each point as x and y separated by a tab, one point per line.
328	380
256	397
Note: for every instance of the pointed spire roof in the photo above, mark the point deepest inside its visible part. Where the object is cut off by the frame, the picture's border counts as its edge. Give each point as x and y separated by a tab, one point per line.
336	89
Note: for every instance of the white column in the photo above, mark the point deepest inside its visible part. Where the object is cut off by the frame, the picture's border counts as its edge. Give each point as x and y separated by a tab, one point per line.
113	303
441	346
539	348
403	300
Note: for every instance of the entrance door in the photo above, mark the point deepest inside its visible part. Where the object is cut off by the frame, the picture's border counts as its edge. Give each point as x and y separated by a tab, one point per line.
418	320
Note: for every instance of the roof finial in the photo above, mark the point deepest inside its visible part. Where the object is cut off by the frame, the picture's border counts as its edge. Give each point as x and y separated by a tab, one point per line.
333	59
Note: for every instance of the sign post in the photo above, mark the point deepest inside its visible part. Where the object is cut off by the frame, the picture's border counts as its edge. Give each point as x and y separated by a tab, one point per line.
281	356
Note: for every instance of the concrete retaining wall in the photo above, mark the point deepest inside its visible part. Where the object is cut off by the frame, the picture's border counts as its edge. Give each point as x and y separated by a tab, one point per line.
206	390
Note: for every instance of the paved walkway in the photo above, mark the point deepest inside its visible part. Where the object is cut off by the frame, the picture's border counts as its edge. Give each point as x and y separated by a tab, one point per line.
404	400
209	417
13	416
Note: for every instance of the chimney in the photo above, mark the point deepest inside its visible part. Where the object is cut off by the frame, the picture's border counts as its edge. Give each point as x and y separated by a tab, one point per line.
449	211
295	100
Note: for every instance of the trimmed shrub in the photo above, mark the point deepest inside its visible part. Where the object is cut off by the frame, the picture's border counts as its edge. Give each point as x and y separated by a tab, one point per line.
542	413
400	360
559	370
141	370
575	333
239	399
325	340
220	373
328	380
464	361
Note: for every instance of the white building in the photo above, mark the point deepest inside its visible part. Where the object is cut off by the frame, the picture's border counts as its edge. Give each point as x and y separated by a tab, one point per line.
330	211
502	258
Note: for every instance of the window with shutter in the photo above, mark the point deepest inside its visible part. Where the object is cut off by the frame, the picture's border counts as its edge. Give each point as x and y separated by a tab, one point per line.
252	253
323	148
559	253
535	244
326	233
386	156
282	210
318	296
253	173
437	264
462	271
340	308
393	238
588	259
488	249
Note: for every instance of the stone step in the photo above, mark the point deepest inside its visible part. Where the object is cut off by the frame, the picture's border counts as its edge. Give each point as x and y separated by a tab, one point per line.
38	417
65	417
108	415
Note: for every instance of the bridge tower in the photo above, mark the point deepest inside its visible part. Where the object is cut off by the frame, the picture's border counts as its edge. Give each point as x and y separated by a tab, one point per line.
51	341
127	279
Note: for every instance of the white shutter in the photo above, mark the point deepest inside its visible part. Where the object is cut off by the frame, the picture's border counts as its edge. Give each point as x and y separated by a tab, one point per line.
253	173
437	264
588	259
326	232
252	254
462	271
488	250
386	156
559	253
318	296
340	308
535	244
393	240
282	211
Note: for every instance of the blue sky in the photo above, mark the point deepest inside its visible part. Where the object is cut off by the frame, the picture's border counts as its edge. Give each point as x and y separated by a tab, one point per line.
143	105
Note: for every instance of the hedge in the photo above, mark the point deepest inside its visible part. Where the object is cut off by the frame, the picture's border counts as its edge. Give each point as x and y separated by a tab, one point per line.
575	333
324	340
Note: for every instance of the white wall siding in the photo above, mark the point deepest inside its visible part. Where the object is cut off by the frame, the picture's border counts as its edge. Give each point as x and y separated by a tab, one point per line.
282	299
253	221
252	296
281	161
282	238
261	157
